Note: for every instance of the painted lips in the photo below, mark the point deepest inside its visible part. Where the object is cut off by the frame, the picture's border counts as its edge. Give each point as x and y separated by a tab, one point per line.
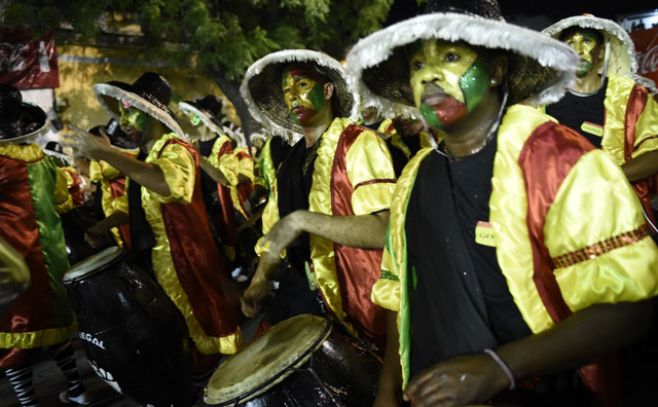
302	114
433	95
299	110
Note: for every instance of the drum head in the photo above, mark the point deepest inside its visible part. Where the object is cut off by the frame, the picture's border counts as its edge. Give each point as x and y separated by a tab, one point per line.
267	361
92	264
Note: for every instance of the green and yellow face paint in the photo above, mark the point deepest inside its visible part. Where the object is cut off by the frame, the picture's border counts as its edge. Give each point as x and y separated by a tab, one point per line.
587	44
448	80
303	94
132	121
195	119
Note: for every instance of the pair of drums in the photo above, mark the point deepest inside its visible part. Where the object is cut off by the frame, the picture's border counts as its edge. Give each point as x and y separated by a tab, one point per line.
134	337
301	361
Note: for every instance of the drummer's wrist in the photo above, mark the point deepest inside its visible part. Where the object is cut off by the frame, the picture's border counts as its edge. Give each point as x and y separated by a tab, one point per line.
298	220
261	277
100	151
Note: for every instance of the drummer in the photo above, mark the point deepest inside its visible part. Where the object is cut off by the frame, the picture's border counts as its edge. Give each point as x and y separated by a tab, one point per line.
334	190
270	155
515	248
229	166
33	192
168	224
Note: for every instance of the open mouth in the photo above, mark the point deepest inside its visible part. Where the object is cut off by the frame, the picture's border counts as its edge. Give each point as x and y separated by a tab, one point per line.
433	95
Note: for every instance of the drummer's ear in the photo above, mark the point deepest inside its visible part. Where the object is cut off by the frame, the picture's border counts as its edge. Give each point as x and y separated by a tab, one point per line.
328	90
499	65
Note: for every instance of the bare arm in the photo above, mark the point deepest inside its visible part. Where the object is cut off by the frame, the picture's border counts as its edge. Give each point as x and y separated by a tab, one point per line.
579	339
147	175
117	219
213	172
98	235
586	335
363	231
641	166
389	388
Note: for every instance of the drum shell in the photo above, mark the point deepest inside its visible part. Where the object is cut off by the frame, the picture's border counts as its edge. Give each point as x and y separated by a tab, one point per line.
133	335
339	373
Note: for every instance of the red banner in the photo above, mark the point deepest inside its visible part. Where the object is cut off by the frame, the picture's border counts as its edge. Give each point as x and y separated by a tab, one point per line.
27	63
646	45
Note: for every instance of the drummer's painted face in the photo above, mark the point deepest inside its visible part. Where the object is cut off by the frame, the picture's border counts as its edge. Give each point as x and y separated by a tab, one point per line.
195	119
588	45
303	94
132	121
448	80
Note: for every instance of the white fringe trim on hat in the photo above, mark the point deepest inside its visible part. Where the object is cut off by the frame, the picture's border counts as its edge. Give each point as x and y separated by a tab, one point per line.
477	31
104	89
622	59
205	119
290	56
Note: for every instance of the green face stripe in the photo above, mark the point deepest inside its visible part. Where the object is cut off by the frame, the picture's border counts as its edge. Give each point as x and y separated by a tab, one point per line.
294	118
430	116
475	82
584	67
41	176
316	96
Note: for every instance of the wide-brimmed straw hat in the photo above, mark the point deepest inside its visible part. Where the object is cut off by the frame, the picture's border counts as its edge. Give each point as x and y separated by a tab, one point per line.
209	110
620	55
20	122
261	88
540	68
150	93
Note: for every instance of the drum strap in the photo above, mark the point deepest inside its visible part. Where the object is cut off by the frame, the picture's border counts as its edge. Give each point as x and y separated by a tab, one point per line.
141	233
296	170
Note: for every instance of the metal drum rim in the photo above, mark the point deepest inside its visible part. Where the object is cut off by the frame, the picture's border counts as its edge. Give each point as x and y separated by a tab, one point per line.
87	267
279	376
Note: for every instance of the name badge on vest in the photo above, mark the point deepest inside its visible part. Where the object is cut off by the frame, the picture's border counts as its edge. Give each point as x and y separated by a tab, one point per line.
484	234
592	128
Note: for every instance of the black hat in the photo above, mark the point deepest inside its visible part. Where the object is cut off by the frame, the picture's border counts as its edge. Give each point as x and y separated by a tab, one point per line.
55	150
19	121
150	93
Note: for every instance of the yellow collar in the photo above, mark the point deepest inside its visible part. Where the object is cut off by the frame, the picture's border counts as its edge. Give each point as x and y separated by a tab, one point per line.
23	152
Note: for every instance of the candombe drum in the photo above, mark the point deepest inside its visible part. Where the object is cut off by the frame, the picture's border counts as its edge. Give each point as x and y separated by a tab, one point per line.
133	335
301	361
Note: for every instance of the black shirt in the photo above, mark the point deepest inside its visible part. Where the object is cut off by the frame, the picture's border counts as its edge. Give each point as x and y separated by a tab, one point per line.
460	302
398	156
294	180
573	111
